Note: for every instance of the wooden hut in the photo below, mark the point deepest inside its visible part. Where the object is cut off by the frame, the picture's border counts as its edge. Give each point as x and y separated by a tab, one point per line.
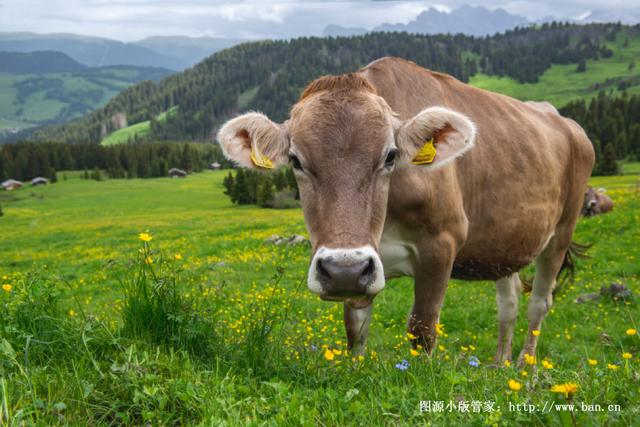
177	173
11	184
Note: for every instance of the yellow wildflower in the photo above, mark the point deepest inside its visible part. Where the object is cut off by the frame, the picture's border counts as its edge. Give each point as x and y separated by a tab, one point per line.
411	336
178	257
148	260
631	331
337	352
515	385
612	367
440	328
507	363
441	348
72	313
536	333
414	352
7	287
592	362
626	355
145	237
547	365
566	388
529	359
523	373
328	354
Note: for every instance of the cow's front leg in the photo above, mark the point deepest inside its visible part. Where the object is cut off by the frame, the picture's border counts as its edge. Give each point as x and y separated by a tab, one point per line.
433	271
357	317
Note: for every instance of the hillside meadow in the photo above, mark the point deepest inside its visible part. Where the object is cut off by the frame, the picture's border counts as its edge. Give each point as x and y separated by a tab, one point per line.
158	302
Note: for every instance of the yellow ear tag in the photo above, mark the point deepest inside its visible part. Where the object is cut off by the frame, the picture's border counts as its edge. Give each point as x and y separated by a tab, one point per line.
260	160
426	154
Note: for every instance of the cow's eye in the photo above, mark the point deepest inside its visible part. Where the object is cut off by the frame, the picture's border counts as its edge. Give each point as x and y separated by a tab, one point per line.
295	162
391	158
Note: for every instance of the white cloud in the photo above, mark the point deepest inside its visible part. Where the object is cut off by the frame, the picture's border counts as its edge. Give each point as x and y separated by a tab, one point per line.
135	19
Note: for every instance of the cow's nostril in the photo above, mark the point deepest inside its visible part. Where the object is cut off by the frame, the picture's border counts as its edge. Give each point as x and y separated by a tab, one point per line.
322	270
365	277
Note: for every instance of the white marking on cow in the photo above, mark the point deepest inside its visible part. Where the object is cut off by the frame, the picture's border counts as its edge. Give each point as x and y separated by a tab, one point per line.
354	255
398	255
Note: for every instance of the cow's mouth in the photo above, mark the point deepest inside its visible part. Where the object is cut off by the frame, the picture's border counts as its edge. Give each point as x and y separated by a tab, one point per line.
354	301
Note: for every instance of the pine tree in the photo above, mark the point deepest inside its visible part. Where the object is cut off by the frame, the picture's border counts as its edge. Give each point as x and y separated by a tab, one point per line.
265	194
96	174
53	176
280	180
240	193
609	164
228	184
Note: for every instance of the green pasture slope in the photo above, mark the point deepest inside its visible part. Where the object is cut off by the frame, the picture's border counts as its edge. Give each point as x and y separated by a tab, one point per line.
250	349
59	97
561	84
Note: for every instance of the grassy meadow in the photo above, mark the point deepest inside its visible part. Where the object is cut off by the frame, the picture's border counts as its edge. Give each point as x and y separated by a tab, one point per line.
561	84
199	321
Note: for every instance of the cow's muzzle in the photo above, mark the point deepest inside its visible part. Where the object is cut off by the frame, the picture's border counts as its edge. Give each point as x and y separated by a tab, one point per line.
338	274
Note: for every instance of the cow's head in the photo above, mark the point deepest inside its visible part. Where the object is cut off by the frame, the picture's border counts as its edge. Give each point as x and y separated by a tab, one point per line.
592	200
344	143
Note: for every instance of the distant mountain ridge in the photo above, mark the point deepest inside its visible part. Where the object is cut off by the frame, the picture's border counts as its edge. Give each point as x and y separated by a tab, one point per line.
173	53
38	63
468	20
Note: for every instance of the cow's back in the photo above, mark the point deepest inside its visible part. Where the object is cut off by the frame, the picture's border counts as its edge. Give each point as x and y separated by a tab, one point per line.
525	175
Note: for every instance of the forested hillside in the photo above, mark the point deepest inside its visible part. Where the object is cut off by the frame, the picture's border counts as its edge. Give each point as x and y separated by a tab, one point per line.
269	75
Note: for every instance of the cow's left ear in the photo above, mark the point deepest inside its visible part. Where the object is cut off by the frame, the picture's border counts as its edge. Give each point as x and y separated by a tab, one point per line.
434	137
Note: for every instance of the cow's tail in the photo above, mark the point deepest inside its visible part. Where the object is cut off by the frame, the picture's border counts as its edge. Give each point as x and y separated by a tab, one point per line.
567	270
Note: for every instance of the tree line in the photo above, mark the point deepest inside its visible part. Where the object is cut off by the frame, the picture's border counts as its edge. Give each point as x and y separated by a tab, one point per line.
26	160
613	126
276	189
269	75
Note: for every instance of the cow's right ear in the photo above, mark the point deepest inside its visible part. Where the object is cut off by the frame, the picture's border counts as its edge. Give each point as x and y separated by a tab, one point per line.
254	141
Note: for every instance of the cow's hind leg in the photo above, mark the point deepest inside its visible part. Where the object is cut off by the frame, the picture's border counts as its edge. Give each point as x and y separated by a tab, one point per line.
508	291
548	264
356	322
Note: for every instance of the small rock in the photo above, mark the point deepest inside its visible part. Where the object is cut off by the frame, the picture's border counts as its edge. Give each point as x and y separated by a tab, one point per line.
273	238
297	239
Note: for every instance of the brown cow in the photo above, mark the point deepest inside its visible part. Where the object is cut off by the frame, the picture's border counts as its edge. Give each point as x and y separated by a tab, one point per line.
504	189
596	202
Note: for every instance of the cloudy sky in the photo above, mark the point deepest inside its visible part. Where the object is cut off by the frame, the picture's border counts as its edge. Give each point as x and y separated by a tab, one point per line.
129	20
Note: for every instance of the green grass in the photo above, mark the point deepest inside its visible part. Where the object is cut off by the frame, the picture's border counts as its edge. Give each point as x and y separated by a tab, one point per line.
561	84
141	130
123	135
91	334
631	168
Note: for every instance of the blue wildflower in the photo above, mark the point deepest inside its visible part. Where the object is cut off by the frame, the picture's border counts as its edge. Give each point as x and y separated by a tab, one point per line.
403	366
474	361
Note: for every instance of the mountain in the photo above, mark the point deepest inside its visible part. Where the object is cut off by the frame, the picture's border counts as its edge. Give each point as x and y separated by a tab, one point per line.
628	17
173	53
268	76
475	21
40	88
38	63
